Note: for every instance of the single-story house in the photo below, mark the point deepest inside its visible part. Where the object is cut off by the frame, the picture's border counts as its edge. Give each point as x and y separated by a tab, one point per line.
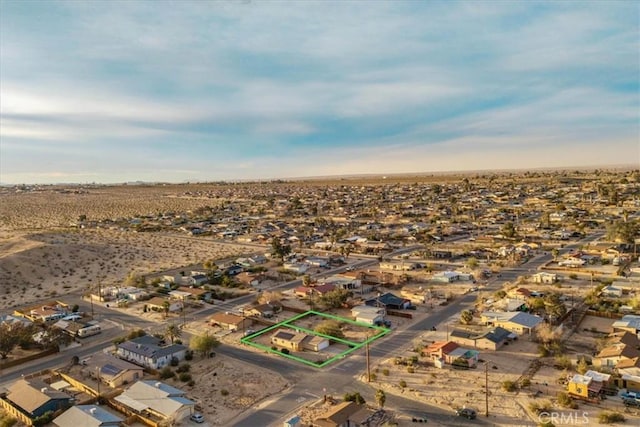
113	371
629	322
146	351
368	314
158	303
295	267
492	339
461	353
88	416
289	339
544	277
34	397
157	398
317	290
514	321
398	265
389	301
230	321
344	414
611	291
263	310
439	350
446	276
519	293
252	279
615	353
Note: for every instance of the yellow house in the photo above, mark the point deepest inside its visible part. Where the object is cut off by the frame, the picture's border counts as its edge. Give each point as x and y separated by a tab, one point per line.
579	386
288	339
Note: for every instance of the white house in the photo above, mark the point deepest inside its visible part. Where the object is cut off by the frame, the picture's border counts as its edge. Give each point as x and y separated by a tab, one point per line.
544	277
446	276
367	314
146	351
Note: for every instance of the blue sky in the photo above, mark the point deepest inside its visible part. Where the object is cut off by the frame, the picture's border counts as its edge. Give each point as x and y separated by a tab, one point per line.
174	90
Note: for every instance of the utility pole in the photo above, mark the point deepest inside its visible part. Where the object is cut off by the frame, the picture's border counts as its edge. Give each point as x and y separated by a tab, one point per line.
368	365
91	301
486	389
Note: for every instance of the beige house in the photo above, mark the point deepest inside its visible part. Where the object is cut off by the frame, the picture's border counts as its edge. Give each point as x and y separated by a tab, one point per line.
513	321
111	370
288	339
229	321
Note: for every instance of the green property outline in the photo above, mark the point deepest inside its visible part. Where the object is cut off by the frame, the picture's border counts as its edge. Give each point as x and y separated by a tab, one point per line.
382	331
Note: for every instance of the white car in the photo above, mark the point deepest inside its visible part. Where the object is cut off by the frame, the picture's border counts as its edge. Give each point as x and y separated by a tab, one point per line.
72	317
197	417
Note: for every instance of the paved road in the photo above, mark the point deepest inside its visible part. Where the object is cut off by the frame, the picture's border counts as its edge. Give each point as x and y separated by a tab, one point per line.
308	383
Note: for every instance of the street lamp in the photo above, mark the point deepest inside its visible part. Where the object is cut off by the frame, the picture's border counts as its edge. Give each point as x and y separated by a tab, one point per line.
486	388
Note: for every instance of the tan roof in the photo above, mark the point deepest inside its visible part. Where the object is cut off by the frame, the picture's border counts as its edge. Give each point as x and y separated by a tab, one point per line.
340	413
225	319
32	394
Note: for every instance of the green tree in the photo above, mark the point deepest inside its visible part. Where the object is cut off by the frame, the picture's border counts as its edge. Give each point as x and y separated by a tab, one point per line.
203	344
466	317
509	230
9	337
278	249
582	366
472	263
335	298
173	332
166	305
381	398
330	327
555	252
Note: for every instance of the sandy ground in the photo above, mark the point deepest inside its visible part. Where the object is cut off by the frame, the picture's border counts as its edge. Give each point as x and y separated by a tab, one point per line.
450	388
245	384
43	265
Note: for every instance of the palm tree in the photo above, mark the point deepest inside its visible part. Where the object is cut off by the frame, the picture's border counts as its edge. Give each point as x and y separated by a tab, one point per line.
381	398
166	306
172	332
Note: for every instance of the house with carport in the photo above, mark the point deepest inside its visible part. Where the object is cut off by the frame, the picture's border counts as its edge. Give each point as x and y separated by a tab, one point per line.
88	416
34	397
230	321
113	371
158	399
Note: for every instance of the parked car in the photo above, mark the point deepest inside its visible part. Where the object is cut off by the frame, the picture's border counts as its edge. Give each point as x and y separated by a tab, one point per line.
467	413
197	417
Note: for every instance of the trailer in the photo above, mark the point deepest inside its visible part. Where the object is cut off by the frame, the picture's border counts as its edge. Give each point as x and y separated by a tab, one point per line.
88	331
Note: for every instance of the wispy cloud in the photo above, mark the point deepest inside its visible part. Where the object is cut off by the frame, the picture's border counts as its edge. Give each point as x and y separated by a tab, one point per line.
234	90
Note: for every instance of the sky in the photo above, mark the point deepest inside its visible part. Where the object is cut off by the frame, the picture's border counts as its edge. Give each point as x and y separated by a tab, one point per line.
175	91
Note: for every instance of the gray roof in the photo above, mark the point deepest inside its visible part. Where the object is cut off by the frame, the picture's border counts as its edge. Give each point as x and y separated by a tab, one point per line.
497	335
526	319
148	346
87	416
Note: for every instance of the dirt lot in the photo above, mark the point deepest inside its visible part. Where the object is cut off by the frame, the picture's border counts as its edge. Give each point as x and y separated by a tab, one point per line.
44	265
451	388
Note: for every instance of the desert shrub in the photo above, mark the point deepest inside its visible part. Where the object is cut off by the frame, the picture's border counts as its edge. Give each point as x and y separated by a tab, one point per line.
402	383
540	407
573	276
373	377
224	392
354	397
413	360
385	372
8	422
188	355
607	417
546	424
185	377
565	400
274	348
563	362
509	386
410	369
526	382
174	361
191	383
43	419
185	367
166	373
284	351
